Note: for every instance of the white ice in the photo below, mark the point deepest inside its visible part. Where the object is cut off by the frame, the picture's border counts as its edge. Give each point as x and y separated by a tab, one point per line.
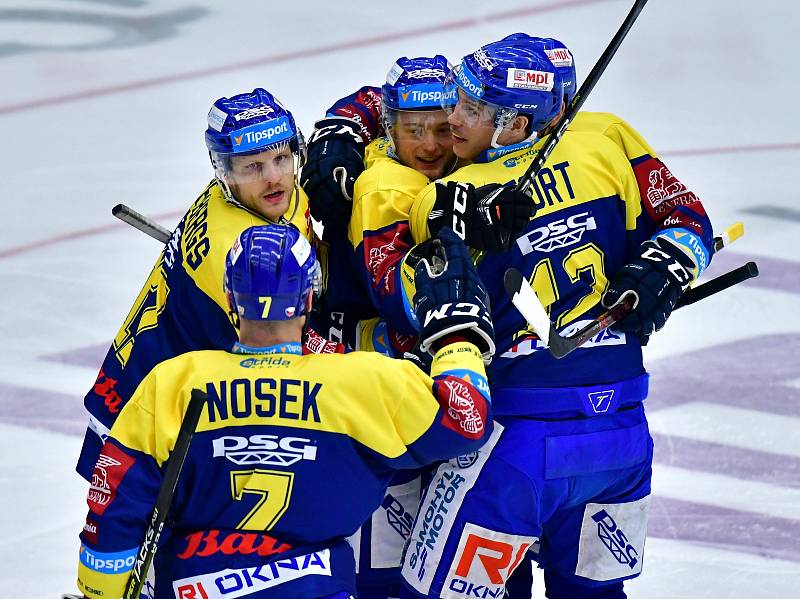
97	109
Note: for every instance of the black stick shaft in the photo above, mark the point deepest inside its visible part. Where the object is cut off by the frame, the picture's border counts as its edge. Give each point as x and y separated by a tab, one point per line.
720	283
580	97
141	222
165	493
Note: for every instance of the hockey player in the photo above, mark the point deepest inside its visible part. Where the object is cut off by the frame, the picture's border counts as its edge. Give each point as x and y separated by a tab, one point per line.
289	457
566	473
416	150
255	149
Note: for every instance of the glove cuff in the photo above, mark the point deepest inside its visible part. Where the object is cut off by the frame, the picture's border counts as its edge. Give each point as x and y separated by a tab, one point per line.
468	331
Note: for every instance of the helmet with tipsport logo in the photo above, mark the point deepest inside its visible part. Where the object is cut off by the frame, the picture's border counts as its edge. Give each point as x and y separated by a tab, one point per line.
247	124
269	272
412	99
560	56
505	79
417	84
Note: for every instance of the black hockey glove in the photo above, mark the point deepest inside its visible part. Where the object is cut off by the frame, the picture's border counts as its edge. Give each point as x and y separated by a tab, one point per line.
335	160
488	218
654	281
451	302
420	359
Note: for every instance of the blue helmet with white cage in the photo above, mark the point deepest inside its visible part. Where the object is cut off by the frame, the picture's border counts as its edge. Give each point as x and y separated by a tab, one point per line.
560	56
509	78
247	124
269	273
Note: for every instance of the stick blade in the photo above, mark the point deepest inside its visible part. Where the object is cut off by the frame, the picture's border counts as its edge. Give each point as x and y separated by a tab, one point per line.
524	299
734	232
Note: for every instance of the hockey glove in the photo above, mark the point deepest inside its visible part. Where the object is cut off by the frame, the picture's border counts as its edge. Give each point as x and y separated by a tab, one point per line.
654	282
451	302
488	218
335	159
420	359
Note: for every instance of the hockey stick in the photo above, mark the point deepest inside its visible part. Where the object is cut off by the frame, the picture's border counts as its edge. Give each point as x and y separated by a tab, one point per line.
141	222
525	300
165	493
580	97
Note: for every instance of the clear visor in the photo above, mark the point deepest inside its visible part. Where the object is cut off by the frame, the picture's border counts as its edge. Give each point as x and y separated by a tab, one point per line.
469	111
418	125
270	164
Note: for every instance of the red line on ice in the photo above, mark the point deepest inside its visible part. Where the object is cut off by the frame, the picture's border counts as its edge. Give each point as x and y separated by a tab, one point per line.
74	235
292	55
13	251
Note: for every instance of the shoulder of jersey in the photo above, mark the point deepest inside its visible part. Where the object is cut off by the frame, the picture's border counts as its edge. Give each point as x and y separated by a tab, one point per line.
389	174
376	151
597	122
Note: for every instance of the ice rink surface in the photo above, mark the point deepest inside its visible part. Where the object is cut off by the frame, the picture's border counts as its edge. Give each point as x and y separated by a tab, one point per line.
104	101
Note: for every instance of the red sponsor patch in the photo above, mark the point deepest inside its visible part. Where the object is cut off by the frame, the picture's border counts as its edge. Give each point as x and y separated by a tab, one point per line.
661	191
192	591
315	343
485	559
383	252
464	407
213	542
401	343
110	469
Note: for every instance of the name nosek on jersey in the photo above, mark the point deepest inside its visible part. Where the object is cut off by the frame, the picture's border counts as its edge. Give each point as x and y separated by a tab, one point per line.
426	95
527	79
261	134
231	583
532	344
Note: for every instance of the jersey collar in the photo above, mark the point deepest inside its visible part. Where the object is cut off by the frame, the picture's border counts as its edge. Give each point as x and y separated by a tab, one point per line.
492	154
281	348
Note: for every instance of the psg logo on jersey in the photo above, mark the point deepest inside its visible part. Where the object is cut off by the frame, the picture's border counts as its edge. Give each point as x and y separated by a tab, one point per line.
264	450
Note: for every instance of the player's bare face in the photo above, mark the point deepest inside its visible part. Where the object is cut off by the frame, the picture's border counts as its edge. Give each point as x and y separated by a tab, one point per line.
472	127
264	182
423	142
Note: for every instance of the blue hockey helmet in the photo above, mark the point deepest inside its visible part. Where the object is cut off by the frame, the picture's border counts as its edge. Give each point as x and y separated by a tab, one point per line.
412	101
560	56
247	124
417	84
269	272
508	78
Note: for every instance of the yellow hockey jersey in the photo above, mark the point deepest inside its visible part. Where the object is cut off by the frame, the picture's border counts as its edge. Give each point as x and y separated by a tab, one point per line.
181	307
289	458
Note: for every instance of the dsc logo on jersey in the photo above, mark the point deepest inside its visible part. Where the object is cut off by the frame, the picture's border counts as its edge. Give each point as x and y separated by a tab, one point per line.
483	562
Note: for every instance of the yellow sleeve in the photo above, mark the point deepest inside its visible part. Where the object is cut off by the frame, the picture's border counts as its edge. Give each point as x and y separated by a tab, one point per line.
383	195
420	209
148	424
617	130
